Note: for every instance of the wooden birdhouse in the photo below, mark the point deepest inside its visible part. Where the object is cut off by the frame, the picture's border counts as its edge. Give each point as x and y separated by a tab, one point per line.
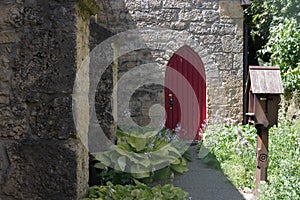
264	87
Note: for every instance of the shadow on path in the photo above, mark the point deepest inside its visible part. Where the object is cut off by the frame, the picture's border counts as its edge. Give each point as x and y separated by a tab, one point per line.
204	183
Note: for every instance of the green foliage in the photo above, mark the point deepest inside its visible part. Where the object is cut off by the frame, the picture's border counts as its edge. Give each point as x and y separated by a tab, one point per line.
291	82
284	44
284	48
268	13
275	27
284	163
138	191
234	149
236	157
148	156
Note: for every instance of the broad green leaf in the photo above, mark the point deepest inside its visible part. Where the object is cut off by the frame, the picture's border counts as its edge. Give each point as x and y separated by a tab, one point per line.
162	174
122	162
138	143
103	158
114	156
138	171
99	165
179	168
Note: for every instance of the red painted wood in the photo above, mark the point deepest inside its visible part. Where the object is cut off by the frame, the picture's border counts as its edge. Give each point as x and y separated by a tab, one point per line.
185	84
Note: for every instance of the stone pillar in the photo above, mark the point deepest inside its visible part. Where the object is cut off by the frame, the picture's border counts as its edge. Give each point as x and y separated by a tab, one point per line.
42	43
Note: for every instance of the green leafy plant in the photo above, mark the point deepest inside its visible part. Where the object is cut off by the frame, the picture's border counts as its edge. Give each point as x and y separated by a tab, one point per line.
232	149
148	156
138	191
284	48
275	30
284	162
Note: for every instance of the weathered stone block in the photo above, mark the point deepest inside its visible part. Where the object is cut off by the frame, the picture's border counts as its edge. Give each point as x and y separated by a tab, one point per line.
4	87
5	74
46	169
176	4
240	27
218	96
200	28
238	61
209	39
4	99
12	121
130	5
53	119
8	37
210	15
220	28
231	9
192	15
4	164
232	44
44	62
6	16
155	4
223	60
210	5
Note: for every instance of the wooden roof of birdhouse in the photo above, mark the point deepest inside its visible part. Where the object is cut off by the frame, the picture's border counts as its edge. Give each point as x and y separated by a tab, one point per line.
264	80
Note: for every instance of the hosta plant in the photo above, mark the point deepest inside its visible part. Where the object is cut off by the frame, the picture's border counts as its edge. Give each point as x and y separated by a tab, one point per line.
148	156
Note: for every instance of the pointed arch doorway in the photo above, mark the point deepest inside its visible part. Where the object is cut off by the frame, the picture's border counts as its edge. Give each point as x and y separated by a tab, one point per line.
185	93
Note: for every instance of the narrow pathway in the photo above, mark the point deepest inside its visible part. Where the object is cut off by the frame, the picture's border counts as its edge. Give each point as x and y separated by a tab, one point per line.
204	183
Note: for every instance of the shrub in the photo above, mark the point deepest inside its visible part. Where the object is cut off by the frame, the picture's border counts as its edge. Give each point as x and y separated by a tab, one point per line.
284	162
138	191
275	31
234	148
144	156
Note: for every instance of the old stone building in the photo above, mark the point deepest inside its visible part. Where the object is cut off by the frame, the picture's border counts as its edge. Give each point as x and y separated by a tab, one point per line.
48	116
213	29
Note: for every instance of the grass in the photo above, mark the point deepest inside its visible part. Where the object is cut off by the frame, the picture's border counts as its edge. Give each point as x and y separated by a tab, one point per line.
234	148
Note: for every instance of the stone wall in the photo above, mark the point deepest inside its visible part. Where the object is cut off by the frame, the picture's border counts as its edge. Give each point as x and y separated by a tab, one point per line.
214	29
42	43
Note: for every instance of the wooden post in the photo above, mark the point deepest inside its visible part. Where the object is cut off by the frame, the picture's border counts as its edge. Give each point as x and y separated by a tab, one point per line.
262	155
264	86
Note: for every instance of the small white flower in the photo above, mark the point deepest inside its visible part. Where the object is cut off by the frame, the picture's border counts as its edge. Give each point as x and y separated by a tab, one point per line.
127	112
245	142
111	190
178	128
153	169
150	145
148	154
161	126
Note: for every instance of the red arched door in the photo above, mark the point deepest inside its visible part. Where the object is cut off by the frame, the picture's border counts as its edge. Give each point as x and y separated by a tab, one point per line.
185	93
